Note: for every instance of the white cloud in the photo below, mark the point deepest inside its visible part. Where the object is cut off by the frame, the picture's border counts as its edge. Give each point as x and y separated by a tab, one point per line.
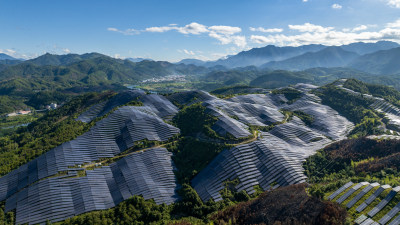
16	54
394	3
305	0
227	30
239	41
66	50
193	28
308	27
225	34
8	51
262	39
395	24
315	34
336	6
264	30
360	28
188	52
124	32
159	29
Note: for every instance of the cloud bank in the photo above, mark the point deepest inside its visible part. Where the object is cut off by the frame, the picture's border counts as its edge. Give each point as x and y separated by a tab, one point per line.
315	34
224	34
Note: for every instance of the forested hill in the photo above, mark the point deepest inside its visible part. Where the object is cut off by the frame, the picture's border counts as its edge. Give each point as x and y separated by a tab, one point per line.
56	77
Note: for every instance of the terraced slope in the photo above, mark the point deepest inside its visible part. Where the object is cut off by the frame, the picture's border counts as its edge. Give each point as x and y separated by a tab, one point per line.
326	120
226	124
275	159
247	113
108	138
379	104
190	97
158	104
148	173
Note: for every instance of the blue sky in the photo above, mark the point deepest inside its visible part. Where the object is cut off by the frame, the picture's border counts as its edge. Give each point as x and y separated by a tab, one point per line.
173	30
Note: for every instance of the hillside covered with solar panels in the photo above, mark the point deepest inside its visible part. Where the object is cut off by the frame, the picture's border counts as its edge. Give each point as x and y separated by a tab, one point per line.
185	157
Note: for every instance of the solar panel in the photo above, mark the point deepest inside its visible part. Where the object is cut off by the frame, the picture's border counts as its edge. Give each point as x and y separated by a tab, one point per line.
360	219
396	221
368	221
340	190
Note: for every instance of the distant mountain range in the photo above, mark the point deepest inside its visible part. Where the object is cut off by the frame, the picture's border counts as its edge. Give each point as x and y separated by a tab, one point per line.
327	57
6	57
380	62
138	59
307	56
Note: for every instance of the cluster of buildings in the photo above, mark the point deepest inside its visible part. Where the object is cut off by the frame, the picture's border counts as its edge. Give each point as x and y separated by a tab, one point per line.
179	78
21	112
51	106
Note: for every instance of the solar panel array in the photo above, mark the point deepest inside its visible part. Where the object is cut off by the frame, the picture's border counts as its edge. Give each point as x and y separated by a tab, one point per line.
326	120
158	104
190	97
226	124
361	194
369	217
277	158
248	113
148	173
372	197
253	164
109	137
383	203
386	218
269	100
379	104
104	107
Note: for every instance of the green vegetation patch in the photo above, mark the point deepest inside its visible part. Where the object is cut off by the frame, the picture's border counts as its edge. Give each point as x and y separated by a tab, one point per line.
290	94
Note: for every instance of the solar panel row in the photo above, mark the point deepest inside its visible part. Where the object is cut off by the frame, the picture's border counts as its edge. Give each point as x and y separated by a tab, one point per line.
348	193
361	194
340	190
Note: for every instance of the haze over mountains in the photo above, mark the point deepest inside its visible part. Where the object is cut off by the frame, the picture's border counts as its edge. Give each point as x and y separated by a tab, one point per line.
361	56
307	56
